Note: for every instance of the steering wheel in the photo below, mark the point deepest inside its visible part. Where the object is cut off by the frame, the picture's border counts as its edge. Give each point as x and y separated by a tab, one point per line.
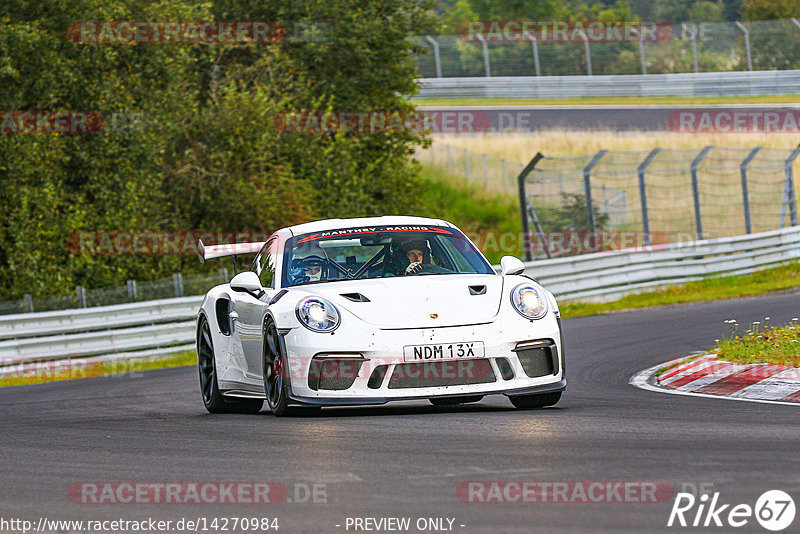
419	268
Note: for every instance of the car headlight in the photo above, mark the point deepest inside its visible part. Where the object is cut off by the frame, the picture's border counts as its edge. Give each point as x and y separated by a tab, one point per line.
529	301
317	314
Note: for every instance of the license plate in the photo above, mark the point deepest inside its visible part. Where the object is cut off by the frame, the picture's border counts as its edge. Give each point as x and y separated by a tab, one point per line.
443	351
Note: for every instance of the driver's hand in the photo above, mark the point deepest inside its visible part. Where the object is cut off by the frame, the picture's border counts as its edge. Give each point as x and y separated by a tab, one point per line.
414	268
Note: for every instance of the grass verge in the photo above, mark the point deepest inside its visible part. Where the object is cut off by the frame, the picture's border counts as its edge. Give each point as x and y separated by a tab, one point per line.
469	207
774	279
80	368
608	101
762	343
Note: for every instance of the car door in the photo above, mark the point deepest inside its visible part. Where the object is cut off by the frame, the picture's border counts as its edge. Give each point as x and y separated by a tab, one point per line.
248	311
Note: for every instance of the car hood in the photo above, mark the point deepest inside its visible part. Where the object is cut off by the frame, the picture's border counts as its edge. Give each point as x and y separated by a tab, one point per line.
418	301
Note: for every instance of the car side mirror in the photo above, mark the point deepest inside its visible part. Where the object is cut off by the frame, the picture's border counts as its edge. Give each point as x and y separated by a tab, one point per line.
248	282
511	265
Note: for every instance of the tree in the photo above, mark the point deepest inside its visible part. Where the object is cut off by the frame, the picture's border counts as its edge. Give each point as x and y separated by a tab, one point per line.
770	9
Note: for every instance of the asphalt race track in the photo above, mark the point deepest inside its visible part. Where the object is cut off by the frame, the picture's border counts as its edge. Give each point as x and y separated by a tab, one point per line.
644	118
406	460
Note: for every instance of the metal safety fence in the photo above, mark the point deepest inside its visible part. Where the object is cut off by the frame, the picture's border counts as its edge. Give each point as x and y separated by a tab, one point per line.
133	291
503	50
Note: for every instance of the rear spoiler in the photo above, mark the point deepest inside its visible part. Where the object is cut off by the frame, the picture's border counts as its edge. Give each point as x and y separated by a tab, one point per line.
208	252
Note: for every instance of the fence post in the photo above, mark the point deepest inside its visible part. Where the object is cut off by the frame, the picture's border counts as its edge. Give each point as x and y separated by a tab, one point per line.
745	194
486	170
436	58
535	53
80	292
132	290
642	58
449	160
643	194
224	274
587	187
693	31
27	302
789	197
505	171
587	52
466	163
523	210
485	47
696	190
746	44
177	282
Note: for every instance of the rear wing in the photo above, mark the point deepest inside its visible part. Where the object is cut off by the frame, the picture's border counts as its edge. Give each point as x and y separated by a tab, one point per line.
208	252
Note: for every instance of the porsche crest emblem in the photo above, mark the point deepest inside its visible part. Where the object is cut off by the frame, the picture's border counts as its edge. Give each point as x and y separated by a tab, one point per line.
434	316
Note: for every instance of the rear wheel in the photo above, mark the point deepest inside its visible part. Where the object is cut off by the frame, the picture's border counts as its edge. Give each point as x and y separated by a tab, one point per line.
213	399
532	402
450	401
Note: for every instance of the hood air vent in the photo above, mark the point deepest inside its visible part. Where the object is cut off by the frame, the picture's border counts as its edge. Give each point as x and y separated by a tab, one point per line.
355	297
477	290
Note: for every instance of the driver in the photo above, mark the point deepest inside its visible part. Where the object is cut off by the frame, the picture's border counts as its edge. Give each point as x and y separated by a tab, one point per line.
418	253
313	272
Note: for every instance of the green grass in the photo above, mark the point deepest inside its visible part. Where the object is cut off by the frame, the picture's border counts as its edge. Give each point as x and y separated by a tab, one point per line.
774	279
101	369
608	100
484	217
762	344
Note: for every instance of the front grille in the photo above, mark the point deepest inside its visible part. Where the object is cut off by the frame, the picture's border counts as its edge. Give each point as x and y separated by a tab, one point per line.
505	368
333	373
442	373
376	378
538	358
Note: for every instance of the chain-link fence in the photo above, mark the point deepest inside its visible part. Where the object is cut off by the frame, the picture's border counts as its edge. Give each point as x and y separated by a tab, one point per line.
492	173
133	291
706	47
662	196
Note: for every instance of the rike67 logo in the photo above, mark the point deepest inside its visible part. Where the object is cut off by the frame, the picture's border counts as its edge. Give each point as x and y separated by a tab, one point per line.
774	510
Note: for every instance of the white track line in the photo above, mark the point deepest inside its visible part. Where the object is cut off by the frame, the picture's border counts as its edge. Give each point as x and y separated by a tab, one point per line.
640	380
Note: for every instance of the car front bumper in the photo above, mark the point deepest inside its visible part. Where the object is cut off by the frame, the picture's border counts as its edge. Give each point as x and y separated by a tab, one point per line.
504	369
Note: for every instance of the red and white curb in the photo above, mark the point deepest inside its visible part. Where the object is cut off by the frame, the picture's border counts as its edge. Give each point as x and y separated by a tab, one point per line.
706	376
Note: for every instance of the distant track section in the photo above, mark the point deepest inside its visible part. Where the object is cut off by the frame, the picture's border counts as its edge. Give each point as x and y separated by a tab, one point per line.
646	118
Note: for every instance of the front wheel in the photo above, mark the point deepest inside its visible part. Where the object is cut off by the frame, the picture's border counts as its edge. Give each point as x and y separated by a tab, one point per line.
275	370
532	402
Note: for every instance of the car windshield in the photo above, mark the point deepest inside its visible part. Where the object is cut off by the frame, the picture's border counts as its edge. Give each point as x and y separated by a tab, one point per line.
379	252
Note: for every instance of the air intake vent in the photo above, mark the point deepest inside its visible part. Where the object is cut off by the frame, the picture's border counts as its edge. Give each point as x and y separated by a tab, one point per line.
355	297
477	290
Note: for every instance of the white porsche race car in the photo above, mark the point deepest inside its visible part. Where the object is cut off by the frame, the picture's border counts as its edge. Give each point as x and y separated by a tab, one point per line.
371	310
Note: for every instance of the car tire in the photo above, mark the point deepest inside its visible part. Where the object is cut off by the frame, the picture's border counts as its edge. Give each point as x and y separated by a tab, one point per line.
213	399
275	371
532	402
451	401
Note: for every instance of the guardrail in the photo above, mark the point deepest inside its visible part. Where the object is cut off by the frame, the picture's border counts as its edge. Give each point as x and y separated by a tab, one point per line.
738	83
25	325
121	330
612	274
